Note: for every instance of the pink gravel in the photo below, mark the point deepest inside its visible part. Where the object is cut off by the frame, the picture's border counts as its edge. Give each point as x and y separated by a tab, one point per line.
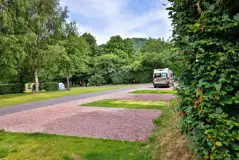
99	122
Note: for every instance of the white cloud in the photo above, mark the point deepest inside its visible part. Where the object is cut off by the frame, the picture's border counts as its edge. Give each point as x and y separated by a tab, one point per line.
119	20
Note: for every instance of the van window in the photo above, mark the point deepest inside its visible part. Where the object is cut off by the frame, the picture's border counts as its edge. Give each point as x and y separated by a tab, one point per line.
163	75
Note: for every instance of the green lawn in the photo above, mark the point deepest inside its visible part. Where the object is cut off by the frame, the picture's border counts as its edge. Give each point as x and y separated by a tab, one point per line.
156	91
13	99
117	103
17	146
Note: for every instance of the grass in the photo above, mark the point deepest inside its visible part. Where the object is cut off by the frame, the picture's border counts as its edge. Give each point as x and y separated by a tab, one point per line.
166	142
13	99
117	103
20	146
156	91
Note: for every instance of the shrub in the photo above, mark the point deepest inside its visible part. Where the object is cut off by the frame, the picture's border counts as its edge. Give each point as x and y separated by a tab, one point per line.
207	35
97	80
11	88
49	86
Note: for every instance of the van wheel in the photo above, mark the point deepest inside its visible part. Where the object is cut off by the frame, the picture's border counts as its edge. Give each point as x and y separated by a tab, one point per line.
155	86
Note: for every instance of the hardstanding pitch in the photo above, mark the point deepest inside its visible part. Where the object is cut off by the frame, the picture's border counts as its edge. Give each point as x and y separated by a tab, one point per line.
98	122
73	120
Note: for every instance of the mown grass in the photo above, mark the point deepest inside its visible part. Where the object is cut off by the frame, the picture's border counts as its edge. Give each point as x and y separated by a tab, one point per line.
166	142
19	146
156	91
118	103
13	99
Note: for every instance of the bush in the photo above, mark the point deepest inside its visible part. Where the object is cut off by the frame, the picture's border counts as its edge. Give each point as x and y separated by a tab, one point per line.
49	86
207	35
97	80
11	88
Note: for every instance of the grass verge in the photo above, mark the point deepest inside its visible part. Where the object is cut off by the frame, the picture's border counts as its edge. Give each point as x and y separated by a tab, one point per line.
166	142
19	146
118	103
13	99
155	91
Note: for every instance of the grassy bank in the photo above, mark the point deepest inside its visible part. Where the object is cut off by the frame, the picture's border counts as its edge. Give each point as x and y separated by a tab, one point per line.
13	99
156	91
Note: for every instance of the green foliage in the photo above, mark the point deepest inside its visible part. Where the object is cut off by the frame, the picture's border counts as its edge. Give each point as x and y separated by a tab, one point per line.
90	39
38	44
11	88
138	42
49	86
97	80
207	35
119	62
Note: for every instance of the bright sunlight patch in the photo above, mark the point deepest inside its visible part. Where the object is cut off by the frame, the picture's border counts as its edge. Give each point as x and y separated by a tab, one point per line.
116	103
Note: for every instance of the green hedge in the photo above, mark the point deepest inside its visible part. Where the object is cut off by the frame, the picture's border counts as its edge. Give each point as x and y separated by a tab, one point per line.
207	35
11	88
49	86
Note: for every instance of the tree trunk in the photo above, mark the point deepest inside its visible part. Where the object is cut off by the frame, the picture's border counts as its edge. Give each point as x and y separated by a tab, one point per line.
68	82
36	78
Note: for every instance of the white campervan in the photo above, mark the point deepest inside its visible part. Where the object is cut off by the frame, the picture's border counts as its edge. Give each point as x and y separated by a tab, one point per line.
162	77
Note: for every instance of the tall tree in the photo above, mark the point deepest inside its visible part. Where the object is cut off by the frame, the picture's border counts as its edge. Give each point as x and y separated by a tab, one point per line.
92	43
76	52
13	24
45	20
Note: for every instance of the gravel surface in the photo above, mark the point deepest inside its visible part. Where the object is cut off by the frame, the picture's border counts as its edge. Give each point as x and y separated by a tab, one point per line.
112	123
70	119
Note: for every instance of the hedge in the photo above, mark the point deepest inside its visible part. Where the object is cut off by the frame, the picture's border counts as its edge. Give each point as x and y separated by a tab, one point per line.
206	33
49	86
11	88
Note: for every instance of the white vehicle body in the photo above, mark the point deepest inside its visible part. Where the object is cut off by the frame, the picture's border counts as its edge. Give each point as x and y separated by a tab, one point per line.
162	77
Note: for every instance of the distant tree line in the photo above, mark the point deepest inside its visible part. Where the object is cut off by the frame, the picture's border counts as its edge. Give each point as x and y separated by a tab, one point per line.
38	44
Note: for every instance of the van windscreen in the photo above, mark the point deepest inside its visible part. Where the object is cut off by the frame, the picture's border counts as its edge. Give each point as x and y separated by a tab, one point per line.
163	75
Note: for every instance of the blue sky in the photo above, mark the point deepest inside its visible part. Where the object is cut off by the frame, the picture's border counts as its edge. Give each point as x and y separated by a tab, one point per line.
128	18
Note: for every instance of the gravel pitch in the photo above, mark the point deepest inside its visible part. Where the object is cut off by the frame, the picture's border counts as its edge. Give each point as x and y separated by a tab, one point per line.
72	120
98	122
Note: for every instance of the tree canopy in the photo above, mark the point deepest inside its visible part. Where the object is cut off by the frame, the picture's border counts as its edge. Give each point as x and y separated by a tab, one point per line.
38	44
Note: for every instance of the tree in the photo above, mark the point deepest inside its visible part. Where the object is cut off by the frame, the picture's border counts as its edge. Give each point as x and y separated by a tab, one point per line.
12	28
92	43
30	26
45	20
75	56
138	42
